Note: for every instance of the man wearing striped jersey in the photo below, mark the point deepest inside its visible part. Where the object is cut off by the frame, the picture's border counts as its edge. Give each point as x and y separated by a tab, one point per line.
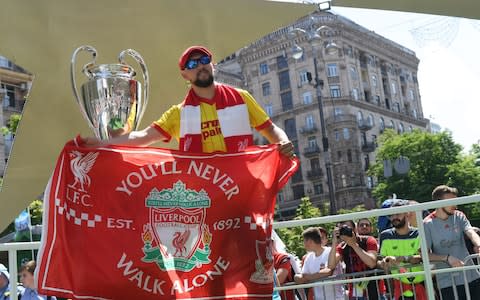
213	117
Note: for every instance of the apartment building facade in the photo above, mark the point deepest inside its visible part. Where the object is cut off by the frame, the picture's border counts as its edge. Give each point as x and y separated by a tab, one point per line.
370	84
15	82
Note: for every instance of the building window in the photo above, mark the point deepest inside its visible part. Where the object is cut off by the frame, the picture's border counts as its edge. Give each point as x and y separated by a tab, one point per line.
5	63
266	89
411	94
355	94
280	197
9	100
335	91
282	62
353	73
337	111
370	120
346	133
303	77
291	128
401	129
382	124
263	68
298	191
396	107
269	109
337	135
318	189
309	122
312	142
284	80
359	117
392	124
410	128
394	88
349	156
332	70
339	155
287	103
377	100
307	97
369	182
414	112
315	164
374	81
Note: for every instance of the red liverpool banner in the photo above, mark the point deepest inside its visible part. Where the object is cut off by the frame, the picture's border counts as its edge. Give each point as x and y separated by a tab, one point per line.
150	223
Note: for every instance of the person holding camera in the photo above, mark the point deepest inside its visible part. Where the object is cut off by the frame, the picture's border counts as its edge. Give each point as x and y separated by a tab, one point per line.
359	253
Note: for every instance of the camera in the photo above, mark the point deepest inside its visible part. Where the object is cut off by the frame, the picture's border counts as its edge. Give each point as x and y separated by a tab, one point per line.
347	231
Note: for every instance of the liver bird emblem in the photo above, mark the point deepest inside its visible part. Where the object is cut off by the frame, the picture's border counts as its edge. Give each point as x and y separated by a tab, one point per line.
179	241
80	166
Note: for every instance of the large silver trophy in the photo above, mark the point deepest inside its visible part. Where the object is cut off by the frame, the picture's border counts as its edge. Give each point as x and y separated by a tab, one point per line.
111	100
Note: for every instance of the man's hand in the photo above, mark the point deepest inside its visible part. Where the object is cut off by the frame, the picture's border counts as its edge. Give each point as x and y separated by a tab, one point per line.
299	278
286	148
335	235
350	240
454	262
90	142
388	262
476	249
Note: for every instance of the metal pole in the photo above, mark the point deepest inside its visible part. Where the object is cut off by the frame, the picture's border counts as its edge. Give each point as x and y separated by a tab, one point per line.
326	153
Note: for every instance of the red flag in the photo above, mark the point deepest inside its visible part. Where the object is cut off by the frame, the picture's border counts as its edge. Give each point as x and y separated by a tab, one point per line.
150	223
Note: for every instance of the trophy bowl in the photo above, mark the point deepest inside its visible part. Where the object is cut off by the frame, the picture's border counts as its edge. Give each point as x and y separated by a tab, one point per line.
111	100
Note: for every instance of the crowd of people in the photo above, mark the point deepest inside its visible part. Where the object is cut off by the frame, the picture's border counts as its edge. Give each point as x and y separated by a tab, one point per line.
353	252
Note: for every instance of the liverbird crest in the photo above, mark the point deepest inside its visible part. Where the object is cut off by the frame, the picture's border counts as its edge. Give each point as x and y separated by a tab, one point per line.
80	166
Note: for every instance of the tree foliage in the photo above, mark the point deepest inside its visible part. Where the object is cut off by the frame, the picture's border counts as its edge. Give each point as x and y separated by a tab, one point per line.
435	159
12	124
292	237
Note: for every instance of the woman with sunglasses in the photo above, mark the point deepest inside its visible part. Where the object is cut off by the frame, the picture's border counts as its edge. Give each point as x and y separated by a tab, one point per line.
213	117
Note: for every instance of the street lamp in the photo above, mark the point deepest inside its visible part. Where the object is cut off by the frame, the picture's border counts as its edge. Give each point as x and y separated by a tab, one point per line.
314	39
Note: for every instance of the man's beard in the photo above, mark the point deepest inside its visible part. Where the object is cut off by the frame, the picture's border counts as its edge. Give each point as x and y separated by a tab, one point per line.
447	212
400	224
204	83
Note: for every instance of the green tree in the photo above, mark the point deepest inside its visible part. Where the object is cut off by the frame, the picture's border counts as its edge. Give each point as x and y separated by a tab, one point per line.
12	124
434	159
292	237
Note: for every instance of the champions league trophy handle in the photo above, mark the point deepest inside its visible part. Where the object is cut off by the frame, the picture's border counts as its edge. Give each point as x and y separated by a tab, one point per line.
146	79
93	51
111	99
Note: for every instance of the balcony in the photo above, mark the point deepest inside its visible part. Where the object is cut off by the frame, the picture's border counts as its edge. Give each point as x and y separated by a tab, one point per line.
308	129
368	146
314	174
364	125
311	151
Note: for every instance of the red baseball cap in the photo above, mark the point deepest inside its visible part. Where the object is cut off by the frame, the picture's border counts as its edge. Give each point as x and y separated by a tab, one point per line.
191	50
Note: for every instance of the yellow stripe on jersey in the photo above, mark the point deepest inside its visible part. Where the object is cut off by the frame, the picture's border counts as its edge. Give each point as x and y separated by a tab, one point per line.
212	137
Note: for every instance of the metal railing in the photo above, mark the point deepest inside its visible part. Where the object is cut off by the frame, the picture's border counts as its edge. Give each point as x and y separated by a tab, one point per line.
378	275
417	209
12	249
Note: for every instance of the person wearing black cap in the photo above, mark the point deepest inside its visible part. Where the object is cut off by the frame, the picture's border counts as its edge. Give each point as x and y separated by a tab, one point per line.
213	117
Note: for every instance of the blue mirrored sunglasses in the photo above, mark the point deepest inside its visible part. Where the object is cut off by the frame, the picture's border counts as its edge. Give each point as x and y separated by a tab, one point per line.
193	63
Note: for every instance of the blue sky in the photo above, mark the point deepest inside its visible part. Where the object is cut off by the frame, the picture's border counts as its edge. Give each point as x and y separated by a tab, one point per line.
449	70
